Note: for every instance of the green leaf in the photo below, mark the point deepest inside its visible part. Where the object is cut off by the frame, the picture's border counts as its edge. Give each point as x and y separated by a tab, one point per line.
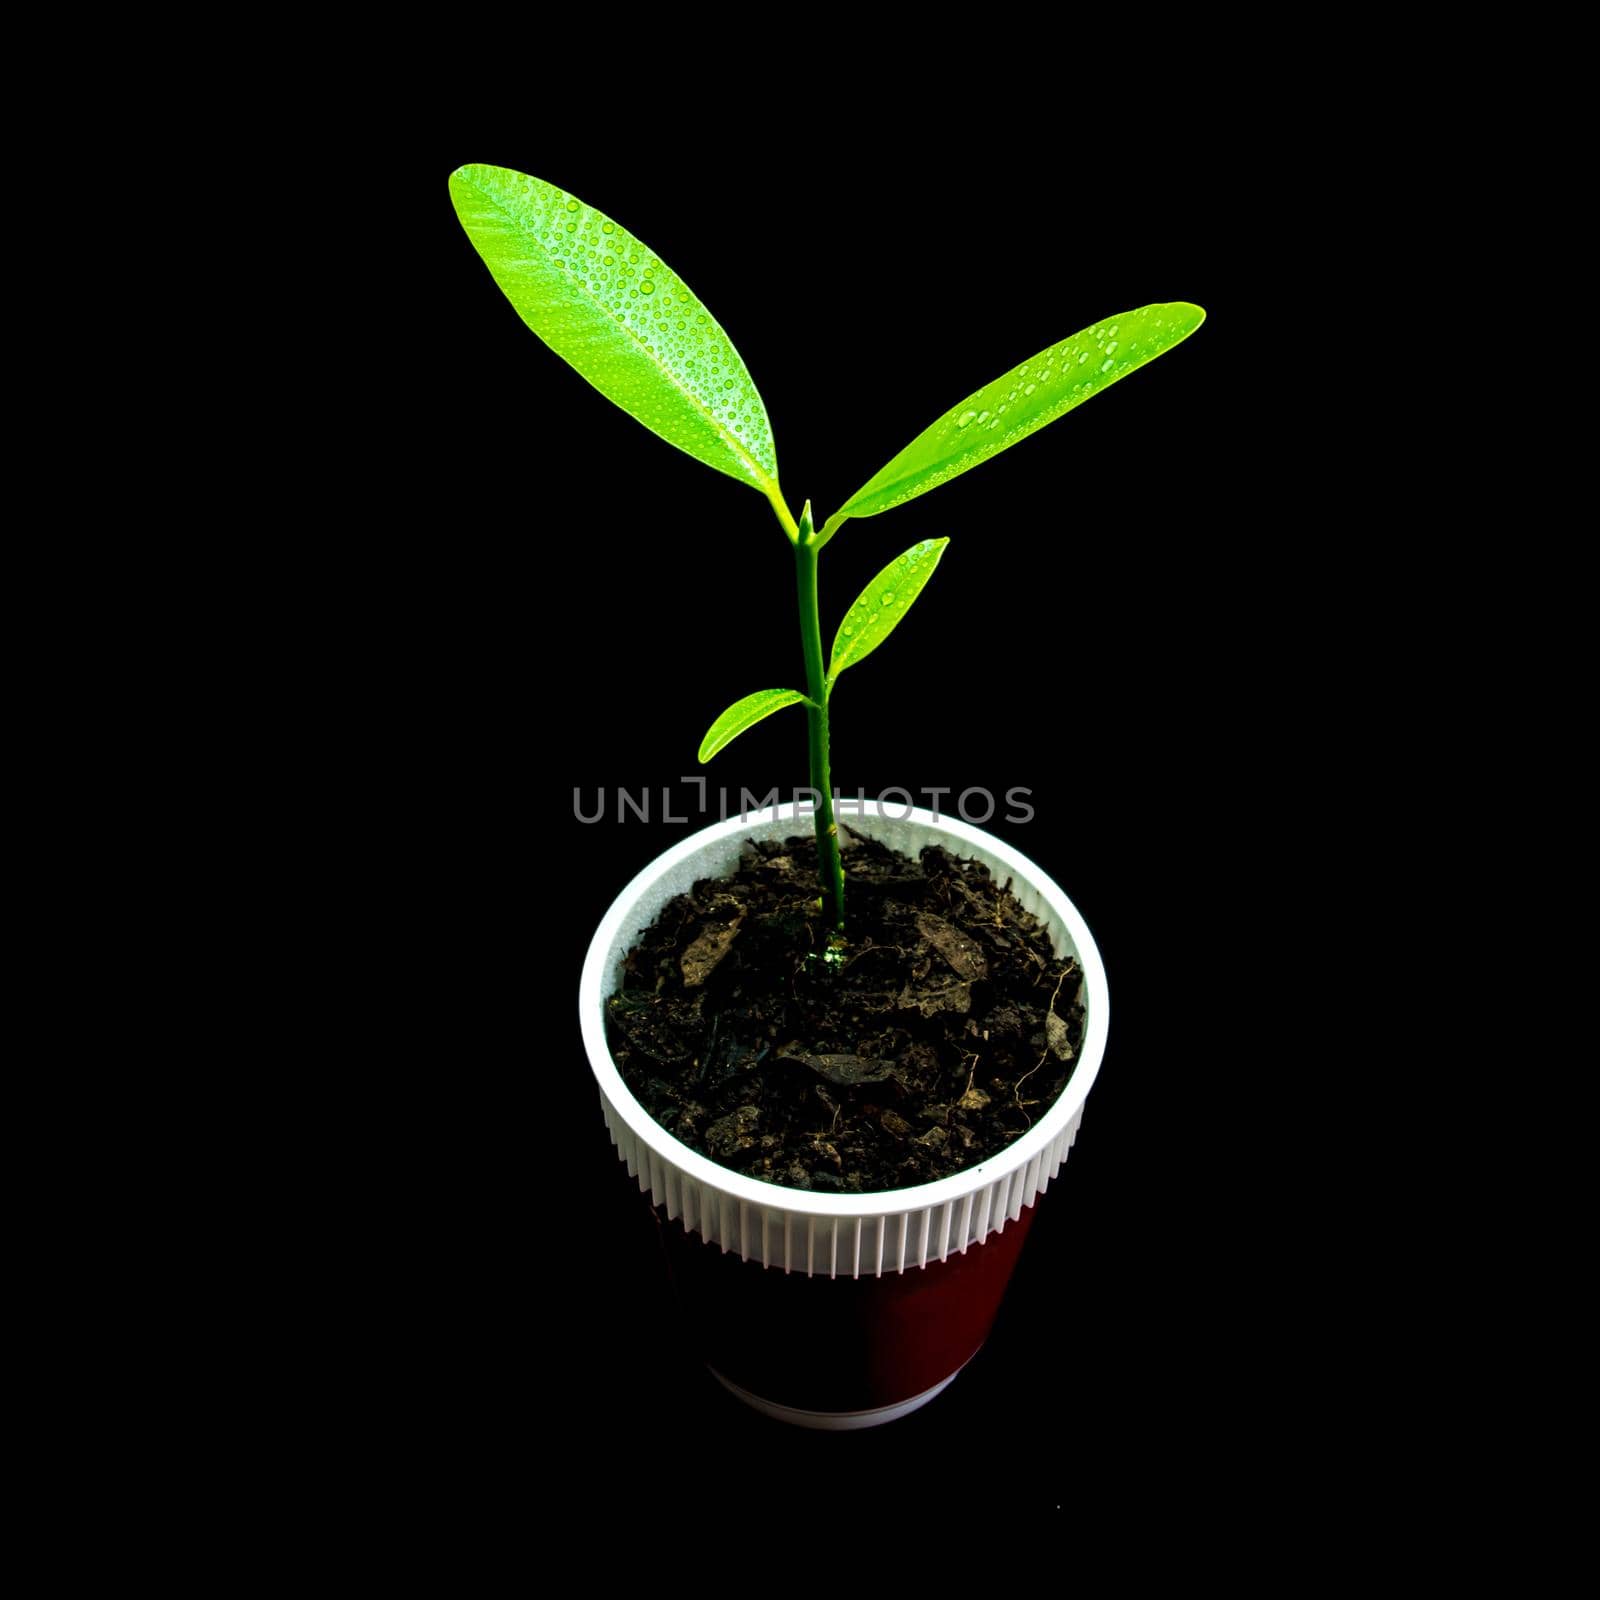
608	305
1021	402
881	605
744	714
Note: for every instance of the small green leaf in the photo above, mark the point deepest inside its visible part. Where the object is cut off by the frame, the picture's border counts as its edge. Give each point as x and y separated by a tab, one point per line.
882	604
744	714
629	324
1021	402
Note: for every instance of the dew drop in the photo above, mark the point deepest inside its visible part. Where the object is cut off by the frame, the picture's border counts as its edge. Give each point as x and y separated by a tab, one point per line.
1112	330
647	287
965	418
983	416
572	227
1107	364
888	598
848	628
611	261
1083	355
608	227
572	205
1029	388
1111	349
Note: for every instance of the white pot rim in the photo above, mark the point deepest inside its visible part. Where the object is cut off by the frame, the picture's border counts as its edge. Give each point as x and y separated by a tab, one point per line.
748	1191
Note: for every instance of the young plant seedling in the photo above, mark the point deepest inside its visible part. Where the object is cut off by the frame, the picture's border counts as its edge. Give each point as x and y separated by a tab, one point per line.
613	309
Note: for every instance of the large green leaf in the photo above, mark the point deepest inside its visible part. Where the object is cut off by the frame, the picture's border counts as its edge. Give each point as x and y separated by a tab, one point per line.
881	605
1006	411
744	714
607	304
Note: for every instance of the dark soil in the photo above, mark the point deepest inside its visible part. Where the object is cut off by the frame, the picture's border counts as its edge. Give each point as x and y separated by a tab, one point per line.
934	1037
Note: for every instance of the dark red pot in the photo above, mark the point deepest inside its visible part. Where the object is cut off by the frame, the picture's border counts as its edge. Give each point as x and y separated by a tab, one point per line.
838	1352
838	1311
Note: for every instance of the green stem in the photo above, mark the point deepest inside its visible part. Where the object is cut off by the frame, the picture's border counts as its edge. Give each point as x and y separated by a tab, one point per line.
775	500
828	863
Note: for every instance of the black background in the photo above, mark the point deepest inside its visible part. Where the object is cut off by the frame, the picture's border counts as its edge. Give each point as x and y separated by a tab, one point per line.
559	600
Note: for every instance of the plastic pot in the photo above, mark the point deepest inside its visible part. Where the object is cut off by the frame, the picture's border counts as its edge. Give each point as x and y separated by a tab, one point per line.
828	1310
